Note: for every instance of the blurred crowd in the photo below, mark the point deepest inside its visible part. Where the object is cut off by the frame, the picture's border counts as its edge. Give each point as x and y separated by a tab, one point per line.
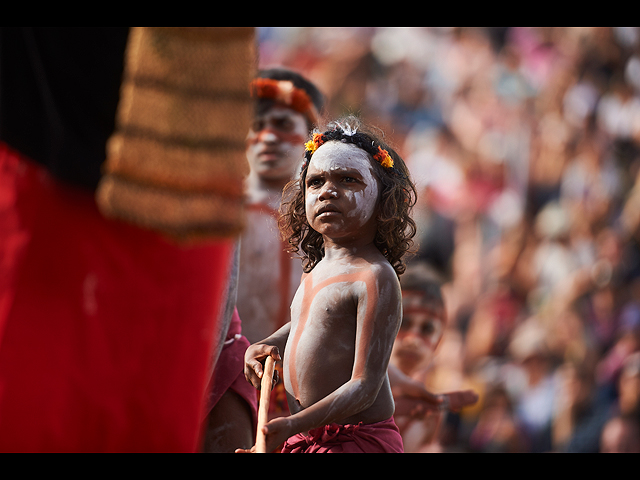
524	143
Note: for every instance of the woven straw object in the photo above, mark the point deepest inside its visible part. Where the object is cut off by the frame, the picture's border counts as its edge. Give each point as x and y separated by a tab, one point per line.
176	162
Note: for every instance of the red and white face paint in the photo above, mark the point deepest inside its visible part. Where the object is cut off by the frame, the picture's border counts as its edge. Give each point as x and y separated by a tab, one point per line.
342	190
275	144
420	334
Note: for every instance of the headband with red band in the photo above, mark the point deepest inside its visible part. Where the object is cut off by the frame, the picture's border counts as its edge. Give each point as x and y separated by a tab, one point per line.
284	92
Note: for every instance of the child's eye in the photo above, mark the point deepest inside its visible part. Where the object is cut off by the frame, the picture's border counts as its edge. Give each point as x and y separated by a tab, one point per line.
314	183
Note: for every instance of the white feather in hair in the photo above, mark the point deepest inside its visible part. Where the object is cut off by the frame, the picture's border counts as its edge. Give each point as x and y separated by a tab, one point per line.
348	130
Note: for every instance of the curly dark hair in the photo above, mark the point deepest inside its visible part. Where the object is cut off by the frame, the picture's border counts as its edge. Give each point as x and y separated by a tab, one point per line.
396	228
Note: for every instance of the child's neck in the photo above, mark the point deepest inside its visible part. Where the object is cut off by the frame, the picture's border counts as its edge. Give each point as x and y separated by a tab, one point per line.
335	251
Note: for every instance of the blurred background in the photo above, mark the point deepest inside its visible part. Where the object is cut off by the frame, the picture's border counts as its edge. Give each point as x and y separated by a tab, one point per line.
525	146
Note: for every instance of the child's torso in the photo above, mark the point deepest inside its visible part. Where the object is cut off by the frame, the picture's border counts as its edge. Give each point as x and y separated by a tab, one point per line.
320	353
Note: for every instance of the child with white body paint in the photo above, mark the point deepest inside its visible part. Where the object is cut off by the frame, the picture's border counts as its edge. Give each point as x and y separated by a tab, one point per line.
349	218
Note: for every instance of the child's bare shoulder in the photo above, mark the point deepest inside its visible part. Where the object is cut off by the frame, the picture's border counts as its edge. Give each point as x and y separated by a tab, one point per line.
384	275
383	270
387	277
371	269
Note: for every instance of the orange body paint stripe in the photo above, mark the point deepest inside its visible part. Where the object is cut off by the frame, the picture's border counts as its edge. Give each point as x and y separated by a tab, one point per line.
367	328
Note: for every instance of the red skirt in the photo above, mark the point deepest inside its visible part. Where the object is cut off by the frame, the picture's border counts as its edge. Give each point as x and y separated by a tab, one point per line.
106	330
229	372
381	437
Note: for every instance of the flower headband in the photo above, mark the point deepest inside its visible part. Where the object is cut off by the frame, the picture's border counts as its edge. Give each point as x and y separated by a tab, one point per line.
348	135
284	92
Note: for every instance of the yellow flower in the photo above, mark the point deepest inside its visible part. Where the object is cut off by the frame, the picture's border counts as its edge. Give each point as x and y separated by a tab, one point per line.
387	162
315	144
311	146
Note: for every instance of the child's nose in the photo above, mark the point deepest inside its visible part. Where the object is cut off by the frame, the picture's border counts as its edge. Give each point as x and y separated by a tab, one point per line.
329	191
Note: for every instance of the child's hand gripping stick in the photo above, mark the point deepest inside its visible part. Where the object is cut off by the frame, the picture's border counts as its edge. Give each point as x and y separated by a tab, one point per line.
265	397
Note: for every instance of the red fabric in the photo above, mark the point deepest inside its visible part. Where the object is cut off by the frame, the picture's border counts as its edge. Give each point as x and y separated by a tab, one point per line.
106	330
381	437
229	371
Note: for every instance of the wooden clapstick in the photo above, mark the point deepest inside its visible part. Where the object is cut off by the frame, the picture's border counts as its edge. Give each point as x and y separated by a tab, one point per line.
265	397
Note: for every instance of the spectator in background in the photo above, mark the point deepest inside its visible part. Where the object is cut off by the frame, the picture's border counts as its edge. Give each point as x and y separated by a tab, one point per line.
629	387
497	429
621	435
581	411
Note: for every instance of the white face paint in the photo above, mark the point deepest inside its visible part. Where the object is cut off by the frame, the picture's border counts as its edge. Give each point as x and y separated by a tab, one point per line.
342	174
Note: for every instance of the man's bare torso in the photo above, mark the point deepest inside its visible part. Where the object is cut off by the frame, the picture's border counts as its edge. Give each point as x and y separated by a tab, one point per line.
268	276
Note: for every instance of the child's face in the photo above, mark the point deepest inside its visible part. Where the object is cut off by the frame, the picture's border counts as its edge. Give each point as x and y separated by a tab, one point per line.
341	191
420	334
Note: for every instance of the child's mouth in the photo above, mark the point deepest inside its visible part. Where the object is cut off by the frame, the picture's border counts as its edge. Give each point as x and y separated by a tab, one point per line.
328	211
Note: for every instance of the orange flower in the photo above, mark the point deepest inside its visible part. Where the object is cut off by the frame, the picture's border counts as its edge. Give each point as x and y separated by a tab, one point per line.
383	158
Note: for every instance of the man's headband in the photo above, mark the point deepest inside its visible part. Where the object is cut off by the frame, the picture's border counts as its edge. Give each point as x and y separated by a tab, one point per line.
284	92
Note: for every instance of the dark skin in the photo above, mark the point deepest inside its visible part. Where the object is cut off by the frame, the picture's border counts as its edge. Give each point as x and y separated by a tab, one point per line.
223	436
346	313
